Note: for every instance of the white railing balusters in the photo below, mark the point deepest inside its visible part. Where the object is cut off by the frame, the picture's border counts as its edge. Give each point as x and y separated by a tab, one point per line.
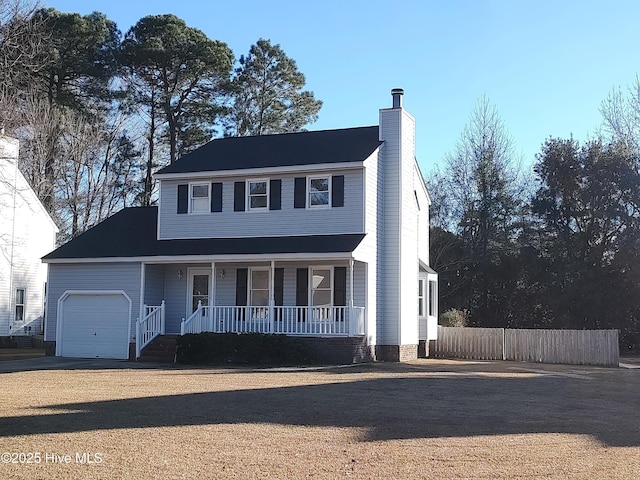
326	321
152	325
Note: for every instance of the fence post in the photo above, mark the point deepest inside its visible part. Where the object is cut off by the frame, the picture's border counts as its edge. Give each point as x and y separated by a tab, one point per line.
504	344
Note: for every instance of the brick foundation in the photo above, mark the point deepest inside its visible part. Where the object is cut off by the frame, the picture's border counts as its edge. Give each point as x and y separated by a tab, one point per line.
340	350
396	353
49	348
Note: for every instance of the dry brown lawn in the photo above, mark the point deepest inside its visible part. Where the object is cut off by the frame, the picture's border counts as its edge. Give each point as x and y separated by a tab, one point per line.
432	419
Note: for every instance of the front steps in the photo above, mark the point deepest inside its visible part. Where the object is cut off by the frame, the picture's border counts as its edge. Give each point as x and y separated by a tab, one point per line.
162	349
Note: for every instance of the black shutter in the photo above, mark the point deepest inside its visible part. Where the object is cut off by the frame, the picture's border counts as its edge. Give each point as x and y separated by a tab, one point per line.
241	286
302	291
238	197
337	191
278	286
216	197
275	193
340	286
299	192
183	198
302	287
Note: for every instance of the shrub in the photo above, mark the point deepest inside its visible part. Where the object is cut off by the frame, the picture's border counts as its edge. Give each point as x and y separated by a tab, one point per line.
245	348
455	318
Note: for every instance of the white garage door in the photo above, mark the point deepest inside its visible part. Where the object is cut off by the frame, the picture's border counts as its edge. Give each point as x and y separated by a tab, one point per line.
94	325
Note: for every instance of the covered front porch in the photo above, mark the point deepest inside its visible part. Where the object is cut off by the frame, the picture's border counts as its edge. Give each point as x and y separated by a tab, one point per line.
322	297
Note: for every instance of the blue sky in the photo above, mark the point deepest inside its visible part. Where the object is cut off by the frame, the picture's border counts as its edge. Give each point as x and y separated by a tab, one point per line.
546	65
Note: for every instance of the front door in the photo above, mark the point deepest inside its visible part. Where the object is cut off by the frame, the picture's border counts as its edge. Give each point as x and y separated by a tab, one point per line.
198	289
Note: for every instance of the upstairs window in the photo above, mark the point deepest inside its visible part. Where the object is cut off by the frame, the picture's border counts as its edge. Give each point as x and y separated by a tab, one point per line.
199	198
319	192
258	195
20	304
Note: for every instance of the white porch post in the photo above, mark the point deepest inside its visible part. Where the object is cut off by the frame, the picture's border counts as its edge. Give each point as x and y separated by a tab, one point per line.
351	297
143	268
272	298
162	318
212	297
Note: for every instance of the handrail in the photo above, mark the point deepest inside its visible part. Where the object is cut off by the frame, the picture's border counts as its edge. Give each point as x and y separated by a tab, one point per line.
152	325
193	324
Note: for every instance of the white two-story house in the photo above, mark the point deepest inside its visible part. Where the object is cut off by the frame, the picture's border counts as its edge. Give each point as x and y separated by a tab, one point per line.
27	232
323	235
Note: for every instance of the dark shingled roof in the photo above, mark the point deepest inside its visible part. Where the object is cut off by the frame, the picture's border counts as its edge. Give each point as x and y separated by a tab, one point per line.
302	148
132	233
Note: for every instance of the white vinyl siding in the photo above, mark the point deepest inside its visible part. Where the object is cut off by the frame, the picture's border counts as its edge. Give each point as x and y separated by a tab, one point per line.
287	221
27	233
397	321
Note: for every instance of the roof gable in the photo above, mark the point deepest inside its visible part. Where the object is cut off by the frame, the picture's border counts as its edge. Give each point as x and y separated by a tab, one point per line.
288	149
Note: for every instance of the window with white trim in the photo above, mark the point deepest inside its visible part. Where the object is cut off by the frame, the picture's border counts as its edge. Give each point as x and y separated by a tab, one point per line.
432	298
318	192
421	297
20	299
258	194
259	281
321	286
199	198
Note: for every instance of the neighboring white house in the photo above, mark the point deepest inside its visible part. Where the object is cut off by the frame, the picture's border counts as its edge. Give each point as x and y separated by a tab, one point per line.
27	232
323	235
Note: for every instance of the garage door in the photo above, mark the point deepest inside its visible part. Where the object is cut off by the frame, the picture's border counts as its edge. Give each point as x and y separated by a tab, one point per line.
94	325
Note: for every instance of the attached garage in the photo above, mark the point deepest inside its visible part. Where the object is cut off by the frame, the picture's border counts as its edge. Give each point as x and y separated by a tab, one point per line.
93	324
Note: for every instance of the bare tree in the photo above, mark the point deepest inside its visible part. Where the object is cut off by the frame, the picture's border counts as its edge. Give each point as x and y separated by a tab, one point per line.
24	54
91	185
621	115
477	200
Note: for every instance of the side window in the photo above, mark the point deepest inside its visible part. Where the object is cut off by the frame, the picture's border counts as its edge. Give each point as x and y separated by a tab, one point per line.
199	198
20	298
257	195
433	291
421	293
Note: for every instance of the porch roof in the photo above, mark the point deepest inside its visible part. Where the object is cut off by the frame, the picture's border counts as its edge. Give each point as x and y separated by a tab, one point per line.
132	233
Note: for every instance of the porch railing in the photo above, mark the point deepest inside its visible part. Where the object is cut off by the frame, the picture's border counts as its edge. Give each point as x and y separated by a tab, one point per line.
151	325
325	321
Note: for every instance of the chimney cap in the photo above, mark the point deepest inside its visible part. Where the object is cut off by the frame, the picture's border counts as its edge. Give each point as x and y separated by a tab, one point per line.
396	94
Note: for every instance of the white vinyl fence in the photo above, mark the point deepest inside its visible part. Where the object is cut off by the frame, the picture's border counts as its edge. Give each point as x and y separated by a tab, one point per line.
574	347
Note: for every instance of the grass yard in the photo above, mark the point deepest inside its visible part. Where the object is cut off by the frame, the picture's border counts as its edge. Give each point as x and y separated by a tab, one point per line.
434	419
